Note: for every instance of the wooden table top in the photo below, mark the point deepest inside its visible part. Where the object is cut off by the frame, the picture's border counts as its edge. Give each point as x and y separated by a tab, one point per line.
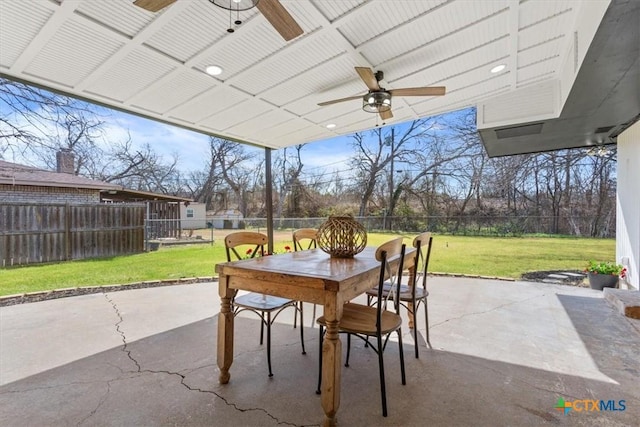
313	265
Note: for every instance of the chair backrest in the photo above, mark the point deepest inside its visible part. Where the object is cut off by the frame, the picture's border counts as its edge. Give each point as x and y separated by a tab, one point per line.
254	241
422	242
305	237
387	253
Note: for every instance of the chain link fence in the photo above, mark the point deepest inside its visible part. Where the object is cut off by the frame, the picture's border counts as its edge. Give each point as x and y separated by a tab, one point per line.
203	231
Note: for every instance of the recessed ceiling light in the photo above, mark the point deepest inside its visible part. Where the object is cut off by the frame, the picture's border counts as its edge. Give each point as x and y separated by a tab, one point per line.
213	70
331	125
498	68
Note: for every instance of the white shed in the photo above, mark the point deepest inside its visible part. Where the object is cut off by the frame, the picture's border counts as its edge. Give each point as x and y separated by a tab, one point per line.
193	216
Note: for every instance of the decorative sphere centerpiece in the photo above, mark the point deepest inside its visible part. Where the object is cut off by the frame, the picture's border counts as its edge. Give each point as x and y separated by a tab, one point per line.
342	236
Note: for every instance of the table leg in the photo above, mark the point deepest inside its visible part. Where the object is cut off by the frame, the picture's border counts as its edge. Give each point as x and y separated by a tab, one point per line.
225	330
331	361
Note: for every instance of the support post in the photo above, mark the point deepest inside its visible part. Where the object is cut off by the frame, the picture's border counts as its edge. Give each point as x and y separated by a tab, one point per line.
268	194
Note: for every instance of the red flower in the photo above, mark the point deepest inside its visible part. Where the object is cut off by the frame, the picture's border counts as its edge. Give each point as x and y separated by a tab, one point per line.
249	251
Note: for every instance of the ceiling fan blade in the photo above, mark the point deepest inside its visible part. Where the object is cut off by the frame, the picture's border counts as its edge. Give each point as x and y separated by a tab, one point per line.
419	91
367	76
335	101
386	115
153	5
280	19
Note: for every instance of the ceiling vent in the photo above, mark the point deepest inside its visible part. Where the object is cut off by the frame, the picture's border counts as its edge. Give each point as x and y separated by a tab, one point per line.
604	129
512	132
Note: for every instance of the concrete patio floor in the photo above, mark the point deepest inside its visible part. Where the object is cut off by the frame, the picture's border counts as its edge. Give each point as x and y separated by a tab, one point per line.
503	354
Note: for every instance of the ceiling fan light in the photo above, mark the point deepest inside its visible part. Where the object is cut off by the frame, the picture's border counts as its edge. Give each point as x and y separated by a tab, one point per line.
234	5
376	101
498	68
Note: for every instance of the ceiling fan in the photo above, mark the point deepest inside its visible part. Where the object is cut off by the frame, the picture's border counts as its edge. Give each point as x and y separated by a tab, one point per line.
378	99
272	10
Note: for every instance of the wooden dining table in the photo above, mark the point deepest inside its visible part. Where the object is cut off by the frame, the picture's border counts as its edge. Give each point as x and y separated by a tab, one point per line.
311	276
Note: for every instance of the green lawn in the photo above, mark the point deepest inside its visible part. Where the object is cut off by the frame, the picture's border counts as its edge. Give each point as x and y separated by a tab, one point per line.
486	256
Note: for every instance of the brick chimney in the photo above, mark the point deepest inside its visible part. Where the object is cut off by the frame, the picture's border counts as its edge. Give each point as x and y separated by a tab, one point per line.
65	162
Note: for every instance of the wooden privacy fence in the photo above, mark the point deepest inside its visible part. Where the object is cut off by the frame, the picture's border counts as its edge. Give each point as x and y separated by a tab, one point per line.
33	233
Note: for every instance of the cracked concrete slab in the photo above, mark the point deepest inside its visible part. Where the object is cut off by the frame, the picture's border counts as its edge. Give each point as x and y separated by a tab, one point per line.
503	353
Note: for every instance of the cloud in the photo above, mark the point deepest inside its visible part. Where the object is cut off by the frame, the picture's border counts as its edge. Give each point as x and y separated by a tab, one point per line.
328	155
191	148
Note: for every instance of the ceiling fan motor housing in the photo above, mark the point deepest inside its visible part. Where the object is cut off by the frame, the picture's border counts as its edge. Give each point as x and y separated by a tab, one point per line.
376	101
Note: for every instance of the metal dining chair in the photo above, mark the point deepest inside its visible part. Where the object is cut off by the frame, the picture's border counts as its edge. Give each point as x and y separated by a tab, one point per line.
366	321
416	293
267	307
305	239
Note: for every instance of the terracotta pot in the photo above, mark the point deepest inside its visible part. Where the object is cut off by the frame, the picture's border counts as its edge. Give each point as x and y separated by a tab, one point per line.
600	281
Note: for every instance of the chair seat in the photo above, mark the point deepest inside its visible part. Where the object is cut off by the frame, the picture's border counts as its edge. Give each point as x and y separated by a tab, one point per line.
405	292
261	302
357	318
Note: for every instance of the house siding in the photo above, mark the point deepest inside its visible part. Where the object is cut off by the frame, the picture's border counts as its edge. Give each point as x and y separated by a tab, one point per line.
628	205
39	194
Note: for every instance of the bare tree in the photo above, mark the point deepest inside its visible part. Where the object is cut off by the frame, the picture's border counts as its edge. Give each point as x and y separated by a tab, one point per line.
27	114
236	170
289	168
378	149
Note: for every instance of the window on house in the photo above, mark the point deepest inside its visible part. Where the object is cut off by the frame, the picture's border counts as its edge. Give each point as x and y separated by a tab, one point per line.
189	213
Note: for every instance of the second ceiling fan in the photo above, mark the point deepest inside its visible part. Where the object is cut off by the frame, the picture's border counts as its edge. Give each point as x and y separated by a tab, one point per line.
272	10
378	99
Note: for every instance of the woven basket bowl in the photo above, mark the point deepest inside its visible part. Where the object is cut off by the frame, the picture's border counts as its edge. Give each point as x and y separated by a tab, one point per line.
342	237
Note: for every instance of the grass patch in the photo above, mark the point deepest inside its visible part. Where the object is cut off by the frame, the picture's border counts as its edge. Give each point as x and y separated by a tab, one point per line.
486	256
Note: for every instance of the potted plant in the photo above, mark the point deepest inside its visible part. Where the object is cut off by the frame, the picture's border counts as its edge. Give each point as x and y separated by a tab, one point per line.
604	274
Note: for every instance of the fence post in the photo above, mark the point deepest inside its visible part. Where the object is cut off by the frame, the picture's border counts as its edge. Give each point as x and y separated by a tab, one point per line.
67	232
146	227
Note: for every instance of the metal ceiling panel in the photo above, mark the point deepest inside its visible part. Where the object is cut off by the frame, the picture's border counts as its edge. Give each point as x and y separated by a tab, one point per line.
279	135
152	64
208	103
456	72
307	84
480	22
66	66
304	14
360	30
174	92
457	99
134	73
333	10
531	14
207	25
543	64
543	33
535	73
446	53
260	122
17	30
240	53
243	112
335	113
116	14
288	64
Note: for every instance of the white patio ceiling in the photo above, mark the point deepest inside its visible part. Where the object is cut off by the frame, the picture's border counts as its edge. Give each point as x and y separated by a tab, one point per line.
152	64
